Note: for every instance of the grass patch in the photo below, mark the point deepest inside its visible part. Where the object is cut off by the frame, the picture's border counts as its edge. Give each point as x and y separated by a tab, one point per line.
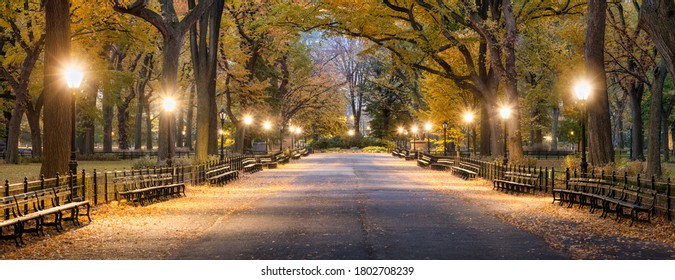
16	172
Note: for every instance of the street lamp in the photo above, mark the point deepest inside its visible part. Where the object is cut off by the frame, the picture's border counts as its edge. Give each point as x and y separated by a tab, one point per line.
414	131
221	115
74	78
169	104
298	131
505	113
582	90
445	138
427	128
267	126
468	118
292	130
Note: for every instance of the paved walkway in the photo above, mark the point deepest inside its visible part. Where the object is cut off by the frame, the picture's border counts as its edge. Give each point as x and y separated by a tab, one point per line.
362	206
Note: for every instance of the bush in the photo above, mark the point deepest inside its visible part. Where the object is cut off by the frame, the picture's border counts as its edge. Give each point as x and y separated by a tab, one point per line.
144	163
99	157
375	149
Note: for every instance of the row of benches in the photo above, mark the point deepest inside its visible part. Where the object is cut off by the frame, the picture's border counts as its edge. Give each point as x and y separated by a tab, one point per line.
144	189
624	200
29	212
465	170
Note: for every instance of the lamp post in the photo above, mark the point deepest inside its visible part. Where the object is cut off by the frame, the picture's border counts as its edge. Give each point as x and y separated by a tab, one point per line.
445	138
221	115
169	104
427	128
582	90
267	126
468	118
73	79
248	120
505	112
298	131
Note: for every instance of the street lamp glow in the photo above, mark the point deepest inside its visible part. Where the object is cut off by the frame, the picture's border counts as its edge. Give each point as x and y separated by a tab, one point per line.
291	129
169	104
248	120
413	129
427	126
74	76
221	132
298	130
400	130
351	132
582	90
468	117
505	112
267	125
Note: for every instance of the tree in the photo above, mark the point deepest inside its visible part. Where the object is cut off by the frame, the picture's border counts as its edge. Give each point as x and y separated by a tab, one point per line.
173	32
355	70
656	18
599	125
57	128
204	38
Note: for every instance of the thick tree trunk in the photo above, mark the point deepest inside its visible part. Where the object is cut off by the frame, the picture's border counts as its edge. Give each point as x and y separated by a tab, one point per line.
148	127
599	125
657	17
637	134
13	134
485	132
86	137
239	138
655	112
171	53
57	127
190	117
511	82
180	124
122	126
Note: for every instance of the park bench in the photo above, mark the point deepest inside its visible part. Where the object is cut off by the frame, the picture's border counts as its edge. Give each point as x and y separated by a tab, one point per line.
295	154
424	161
28	212
443	164
410	155
282	158
251	165
466	170
304	152
517	182
268	161
147	188
221	175
624	200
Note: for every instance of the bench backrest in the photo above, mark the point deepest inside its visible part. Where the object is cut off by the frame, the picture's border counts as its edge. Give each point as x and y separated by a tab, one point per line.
525	178
7	205
470	166
26	203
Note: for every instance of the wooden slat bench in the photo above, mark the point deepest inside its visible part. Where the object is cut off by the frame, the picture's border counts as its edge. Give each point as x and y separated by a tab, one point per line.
29	212
466	170
144	189
517	182
443	164
268	161
424	161
221	175
251	165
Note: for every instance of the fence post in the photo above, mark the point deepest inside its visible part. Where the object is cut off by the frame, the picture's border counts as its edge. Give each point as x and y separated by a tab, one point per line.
84	185
105	185
70	184
95	189
42	181
668	201
567	177
552	180
638	180
625	177
6	194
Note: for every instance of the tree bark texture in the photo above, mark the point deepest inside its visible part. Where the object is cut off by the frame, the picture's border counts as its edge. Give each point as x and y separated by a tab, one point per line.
637	135
57	128
599	125
657	17
655	115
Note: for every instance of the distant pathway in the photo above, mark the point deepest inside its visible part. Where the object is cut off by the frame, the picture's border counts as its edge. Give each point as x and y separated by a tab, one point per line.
361	206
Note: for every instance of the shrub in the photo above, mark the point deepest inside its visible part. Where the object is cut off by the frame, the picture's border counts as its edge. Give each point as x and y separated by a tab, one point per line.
375	149
144	163
99	157
572	162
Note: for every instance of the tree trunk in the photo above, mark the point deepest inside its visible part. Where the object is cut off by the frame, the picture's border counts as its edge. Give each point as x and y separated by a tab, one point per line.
637	134
655	112
57	127
148	127
190	118
511	82
107	124
138	126
485	132
35	131
171	53
13	134
554	129
123	126
656	17
86	137
599	125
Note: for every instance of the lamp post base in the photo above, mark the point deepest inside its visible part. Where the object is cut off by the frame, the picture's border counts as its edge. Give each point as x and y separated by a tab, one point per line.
584	168
72	166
